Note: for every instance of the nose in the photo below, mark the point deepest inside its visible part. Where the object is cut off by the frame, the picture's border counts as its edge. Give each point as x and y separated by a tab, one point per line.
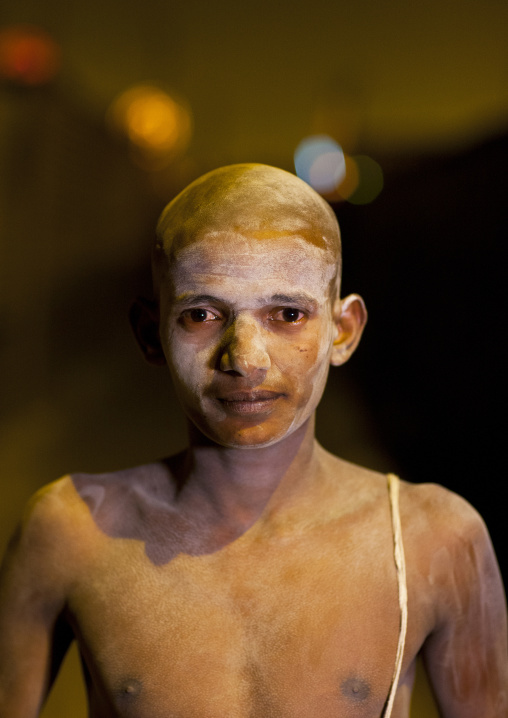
244	349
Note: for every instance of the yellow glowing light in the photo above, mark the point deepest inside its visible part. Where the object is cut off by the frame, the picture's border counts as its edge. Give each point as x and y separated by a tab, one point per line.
349	184
158	126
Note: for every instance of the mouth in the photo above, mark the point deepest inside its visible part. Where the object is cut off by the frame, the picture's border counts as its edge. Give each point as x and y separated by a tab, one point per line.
249	402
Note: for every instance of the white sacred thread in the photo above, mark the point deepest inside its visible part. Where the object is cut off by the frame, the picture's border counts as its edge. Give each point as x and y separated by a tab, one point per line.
400	565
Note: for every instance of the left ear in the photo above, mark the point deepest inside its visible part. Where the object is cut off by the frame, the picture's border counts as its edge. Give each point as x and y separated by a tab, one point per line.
350	317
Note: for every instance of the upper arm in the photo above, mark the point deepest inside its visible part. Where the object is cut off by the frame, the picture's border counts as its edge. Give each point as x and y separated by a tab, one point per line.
466	655
33	583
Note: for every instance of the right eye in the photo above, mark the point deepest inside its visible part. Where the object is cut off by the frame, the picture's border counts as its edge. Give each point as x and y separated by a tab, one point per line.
199	315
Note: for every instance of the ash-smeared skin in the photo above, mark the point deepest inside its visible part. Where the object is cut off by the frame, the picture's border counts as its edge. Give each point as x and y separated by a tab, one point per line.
263	201
243	274
240	234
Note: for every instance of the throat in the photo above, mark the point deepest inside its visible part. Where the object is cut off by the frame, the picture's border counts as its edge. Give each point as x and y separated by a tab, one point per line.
239	483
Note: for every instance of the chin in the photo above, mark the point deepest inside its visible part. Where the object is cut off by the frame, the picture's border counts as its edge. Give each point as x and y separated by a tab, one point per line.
258	436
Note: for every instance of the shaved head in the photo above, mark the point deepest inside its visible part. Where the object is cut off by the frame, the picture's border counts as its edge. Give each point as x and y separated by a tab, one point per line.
255	200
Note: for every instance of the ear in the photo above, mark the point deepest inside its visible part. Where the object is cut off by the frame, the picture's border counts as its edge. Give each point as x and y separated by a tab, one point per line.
350	317
144	319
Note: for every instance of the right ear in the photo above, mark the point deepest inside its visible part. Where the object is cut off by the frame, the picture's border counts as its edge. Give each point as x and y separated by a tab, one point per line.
144	319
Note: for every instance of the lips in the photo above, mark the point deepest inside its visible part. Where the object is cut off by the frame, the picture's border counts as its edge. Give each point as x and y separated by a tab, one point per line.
249	402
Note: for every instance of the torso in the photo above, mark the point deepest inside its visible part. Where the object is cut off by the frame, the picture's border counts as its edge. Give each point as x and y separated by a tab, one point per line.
299	616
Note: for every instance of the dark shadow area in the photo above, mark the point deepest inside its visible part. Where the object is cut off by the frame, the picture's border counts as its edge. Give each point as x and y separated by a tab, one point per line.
152	504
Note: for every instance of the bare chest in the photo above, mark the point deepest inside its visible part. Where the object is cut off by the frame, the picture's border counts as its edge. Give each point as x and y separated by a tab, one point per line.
304	627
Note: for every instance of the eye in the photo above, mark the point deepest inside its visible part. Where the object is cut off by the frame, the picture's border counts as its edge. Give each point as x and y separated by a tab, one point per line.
289	315
198	315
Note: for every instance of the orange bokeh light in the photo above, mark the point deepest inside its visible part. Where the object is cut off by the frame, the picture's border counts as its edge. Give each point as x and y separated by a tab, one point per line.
28	55
157	126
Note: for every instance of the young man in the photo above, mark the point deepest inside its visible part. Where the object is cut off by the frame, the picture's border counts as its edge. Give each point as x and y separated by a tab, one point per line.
254	574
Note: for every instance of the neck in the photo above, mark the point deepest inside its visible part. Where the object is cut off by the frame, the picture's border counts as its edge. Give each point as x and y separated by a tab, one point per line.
236	485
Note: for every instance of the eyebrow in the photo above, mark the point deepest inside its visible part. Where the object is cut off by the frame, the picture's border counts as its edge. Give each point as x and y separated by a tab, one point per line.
191	299
299	298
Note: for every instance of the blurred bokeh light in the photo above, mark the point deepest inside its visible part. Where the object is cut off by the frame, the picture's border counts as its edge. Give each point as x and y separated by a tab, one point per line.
28	55
370	180
319	161
157	126
349	183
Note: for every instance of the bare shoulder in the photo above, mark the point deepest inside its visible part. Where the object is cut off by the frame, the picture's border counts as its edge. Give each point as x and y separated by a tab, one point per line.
41	558
446	541
49	520
52	512
62	528
431	509
448	549
455	583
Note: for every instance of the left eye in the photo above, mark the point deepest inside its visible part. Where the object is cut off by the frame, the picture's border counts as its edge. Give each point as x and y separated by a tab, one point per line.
290	315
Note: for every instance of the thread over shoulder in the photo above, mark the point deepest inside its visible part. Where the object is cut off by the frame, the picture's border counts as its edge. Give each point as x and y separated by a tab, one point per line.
400	566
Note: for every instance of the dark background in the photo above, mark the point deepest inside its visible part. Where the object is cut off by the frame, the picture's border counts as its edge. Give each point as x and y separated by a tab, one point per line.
431	266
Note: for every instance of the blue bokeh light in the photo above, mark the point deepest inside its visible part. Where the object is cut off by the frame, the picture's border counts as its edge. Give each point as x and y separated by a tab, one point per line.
319	161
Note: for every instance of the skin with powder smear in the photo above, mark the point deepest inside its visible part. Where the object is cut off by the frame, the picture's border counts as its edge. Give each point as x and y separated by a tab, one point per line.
252	575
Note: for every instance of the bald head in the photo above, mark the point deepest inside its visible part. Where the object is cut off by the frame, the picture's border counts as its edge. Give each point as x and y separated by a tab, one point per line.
256	200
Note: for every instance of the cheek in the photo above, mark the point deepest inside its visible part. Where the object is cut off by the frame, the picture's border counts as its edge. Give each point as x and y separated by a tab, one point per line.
307	361
188	364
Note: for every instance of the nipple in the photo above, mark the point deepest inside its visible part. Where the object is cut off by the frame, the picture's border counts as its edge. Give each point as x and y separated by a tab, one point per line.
131	688
355	689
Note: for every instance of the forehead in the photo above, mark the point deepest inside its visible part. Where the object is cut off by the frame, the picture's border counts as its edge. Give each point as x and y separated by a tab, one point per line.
257	199
240	262
249	214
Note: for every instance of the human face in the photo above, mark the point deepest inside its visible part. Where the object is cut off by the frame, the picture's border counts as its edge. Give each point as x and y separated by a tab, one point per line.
246	327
